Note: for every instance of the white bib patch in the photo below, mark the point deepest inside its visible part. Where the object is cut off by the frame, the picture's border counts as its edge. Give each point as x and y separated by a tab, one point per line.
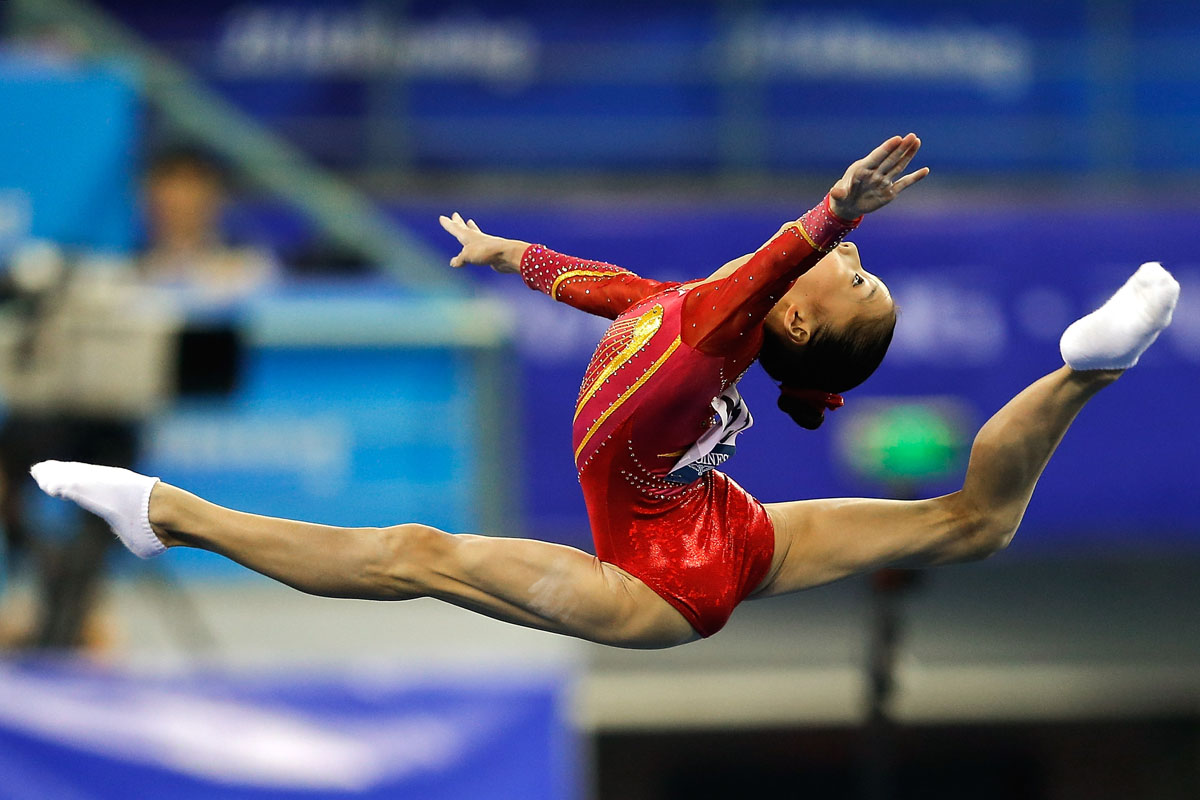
716	446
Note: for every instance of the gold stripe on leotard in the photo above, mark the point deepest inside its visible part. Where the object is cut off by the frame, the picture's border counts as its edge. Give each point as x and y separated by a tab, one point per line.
798	226
583	273
643	328
626	395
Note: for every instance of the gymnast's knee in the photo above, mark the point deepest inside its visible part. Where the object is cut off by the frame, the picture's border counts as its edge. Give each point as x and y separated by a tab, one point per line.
410	557
979	533
992	537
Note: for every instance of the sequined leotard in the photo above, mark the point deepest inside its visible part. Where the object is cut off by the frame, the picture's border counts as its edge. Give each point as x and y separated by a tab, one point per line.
648	396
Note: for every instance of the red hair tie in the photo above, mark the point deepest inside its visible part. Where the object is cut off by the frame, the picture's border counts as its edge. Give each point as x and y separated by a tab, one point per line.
816	398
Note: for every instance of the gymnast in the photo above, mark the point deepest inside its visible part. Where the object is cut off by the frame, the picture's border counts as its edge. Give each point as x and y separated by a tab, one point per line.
678	543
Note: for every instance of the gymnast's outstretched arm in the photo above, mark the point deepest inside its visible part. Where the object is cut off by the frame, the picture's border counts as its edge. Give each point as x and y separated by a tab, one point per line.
727	310
592	286
742	291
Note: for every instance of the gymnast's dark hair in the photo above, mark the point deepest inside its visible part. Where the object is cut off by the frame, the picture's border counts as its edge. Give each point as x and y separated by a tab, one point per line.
831	361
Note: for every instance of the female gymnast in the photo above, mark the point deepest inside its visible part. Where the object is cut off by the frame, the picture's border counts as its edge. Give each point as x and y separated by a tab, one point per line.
679	544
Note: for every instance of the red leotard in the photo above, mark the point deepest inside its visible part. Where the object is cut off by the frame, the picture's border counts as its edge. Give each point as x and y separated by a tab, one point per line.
647	397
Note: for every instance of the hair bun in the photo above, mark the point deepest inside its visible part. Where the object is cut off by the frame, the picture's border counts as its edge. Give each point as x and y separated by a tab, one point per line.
803	414
807	407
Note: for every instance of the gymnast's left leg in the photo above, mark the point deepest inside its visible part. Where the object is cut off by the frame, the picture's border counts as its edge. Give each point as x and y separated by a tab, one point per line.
530	583
818	541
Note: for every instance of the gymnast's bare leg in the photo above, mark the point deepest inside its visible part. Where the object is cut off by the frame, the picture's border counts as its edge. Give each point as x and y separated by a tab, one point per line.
560	589
531	583
817	541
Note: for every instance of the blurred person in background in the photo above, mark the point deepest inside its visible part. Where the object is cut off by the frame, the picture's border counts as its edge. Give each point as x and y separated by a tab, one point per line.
186	248
48	307
678	543
67	569
186	252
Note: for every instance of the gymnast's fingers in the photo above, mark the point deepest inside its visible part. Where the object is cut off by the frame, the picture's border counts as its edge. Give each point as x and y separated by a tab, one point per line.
909	180
888	165
877	156
453	228
903	161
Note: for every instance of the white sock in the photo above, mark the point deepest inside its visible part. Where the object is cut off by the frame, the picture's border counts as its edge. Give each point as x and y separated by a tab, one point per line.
118	495
1115	335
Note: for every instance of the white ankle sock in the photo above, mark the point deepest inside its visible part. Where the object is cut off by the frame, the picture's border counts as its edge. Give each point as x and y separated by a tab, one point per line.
1115	335
121	497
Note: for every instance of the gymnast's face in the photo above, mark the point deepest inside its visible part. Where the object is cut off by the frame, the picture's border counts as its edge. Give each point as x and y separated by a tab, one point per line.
835	293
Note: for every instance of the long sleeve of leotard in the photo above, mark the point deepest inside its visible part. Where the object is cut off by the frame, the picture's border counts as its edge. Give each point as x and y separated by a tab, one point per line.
591	286
720	315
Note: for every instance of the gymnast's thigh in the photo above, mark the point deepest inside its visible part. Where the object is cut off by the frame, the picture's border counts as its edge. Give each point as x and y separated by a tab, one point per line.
819	541
549	587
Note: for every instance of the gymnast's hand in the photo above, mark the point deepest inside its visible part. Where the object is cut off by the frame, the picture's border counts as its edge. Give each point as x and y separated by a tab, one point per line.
872	182
502	255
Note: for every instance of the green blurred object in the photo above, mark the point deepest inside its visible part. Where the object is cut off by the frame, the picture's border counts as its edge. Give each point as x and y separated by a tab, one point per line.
905	440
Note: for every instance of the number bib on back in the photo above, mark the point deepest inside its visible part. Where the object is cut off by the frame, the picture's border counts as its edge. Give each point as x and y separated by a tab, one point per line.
716	446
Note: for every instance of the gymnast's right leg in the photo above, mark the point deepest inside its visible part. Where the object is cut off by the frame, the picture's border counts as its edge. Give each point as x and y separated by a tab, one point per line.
530	583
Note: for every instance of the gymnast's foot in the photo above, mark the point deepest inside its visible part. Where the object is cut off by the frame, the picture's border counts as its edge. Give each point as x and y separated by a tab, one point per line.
1115	335
119	496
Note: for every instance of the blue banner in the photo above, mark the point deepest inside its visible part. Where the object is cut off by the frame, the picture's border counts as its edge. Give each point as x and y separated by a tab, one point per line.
529	84
78	731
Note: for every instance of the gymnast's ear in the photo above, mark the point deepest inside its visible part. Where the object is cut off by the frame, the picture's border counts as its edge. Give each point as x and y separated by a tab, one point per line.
797	329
